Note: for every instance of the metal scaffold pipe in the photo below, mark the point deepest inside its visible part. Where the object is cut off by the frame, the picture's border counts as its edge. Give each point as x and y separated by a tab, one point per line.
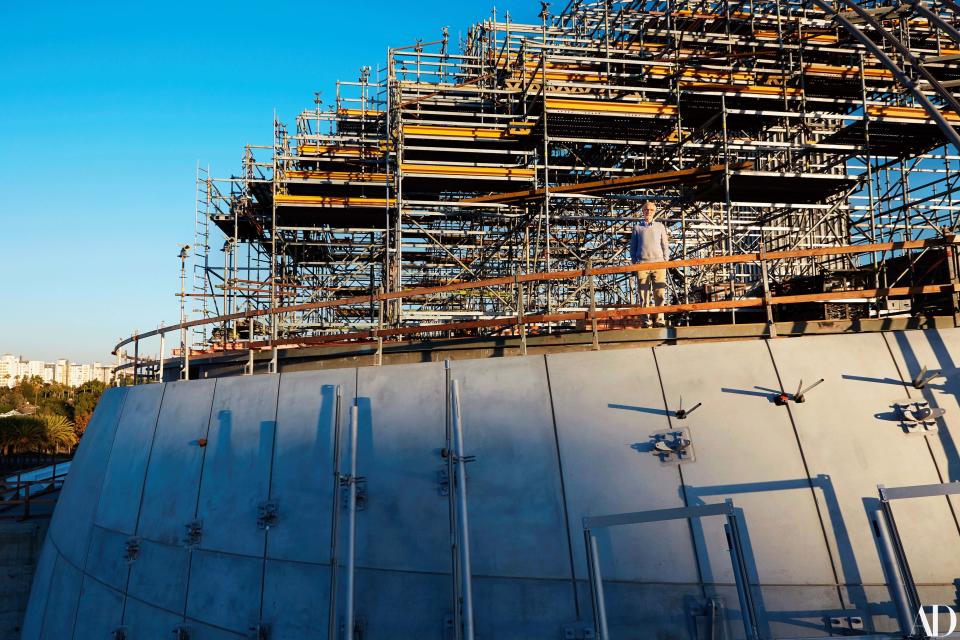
466	574
351	526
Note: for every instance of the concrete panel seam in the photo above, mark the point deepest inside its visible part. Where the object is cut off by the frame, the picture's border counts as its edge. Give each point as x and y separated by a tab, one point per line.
563	487
143	486
266	533
196	507
683	484
806	470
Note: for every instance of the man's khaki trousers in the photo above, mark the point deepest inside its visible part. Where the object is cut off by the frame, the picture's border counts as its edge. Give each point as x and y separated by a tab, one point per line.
652	285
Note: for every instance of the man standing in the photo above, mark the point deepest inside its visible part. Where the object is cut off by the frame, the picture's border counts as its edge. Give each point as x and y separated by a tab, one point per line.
650	242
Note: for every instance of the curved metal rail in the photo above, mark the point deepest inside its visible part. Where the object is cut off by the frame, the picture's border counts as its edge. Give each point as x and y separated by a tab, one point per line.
522	320
899	72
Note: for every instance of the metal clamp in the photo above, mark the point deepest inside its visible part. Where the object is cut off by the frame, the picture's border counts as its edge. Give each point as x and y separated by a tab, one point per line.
268	514
673	446
193	534
131	549
917	416
923	378
682	413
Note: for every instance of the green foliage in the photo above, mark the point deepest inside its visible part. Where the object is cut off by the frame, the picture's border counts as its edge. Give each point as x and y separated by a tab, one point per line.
60	414
21	434
36	434
59	433
87	397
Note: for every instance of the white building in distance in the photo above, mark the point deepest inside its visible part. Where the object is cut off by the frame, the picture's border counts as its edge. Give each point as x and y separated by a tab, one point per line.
13	369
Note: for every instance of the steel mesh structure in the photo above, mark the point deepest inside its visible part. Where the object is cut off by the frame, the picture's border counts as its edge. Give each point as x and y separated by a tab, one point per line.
755	126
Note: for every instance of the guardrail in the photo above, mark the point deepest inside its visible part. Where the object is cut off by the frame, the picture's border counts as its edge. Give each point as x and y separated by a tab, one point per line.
25	490
522	320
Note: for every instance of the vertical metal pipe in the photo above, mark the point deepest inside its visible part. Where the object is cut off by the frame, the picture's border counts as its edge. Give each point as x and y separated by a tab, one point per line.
186	360
351	525
741	578
456	584
163	348
335	519
596	583
465	571
521	323
593	305
136	361
898	591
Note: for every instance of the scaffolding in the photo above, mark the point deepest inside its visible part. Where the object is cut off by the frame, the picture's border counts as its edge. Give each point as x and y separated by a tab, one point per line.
756	126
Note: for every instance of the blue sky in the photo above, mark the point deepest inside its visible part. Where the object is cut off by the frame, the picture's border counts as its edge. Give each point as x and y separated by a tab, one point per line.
105	109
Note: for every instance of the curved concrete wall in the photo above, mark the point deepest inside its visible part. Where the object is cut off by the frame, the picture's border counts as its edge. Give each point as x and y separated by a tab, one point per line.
556	438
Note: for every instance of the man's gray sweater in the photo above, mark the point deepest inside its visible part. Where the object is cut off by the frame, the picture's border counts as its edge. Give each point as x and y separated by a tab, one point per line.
650	243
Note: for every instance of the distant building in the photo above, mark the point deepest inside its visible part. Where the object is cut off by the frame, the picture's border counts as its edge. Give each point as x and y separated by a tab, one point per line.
13	369
9	370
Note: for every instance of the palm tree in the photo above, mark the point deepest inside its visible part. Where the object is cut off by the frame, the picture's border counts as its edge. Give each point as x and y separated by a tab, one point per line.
59	432
21	434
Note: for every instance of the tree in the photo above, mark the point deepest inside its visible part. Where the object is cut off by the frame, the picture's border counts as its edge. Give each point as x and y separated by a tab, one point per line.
59	433
21	434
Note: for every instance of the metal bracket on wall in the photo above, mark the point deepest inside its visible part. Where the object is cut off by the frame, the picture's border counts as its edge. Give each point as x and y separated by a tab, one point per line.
181	633
261	631
131	549
359	628
119	633
443	482
923	378
683	414
193	533
799	396
673	446
917	416
845	623
361	493
268	514
710	618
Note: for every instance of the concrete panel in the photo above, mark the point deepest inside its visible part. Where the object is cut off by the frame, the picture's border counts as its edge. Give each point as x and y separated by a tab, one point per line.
144	622
123	479
200	631
159	575
39	592
224	590
236	469
851	447
295	597
746	450
106	561
303	462
642	611
792	612
73	516
510	609
517	520
62	602
402	422
420	605
606	406
99	611
173	475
